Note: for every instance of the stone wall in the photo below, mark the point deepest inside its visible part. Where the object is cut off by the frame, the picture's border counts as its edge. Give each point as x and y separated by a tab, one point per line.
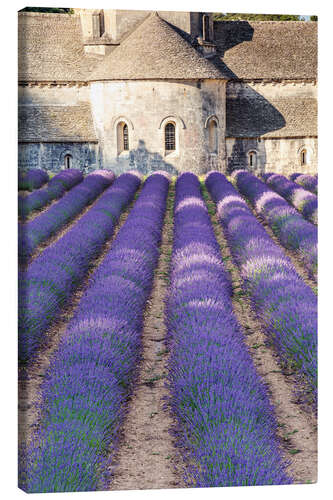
50	156
146	107
282	155
276	120
47	95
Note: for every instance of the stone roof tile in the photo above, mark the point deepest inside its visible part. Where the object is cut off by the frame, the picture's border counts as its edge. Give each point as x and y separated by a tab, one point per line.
268	49
154	50
50	48
55	124
288	117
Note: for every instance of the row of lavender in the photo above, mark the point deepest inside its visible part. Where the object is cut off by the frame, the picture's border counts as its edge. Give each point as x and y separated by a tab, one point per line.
52	277
54	190
90	374
286	305
309	182
300	198
33	233
32	178
288	225
226	422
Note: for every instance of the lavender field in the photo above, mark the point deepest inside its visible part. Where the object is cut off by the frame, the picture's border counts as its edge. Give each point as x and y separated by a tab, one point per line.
167	331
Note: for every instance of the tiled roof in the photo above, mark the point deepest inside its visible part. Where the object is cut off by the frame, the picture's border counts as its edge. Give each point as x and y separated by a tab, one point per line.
289	117
50	48
155	50
268	49
55	124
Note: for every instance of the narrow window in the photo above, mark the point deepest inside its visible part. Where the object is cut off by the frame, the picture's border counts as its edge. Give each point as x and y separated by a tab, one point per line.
252	158
68	161
170	137
125	137
122	137
304	157
101	23
212	136
205	28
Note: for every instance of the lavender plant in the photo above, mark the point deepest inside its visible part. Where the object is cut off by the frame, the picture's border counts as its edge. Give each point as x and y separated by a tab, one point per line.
33	233
222	406
56	273
285	304
54	190
300	198
90	374
32	178
288	225
309	182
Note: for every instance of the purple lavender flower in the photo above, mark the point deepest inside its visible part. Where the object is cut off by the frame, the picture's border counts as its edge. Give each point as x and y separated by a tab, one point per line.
55	188
57	272
90	374
33	233
300	198
288	225
309	182
286	305
32	178
225	420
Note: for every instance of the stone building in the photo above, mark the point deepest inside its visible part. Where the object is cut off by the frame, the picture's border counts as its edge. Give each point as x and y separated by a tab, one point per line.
169	90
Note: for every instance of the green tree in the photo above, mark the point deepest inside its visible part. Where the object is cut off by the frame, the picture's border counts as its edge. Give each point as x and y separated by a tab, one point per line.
47	9
313	18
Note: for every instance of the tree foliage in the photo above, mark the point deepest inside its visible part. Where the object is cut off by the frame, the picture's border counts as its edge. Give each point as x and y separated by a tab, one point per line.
48	9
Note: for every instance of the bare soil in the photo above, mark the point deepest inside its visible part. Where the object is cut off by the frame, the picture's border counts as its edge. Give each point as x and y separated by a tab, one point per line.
147	457
35	213
30	378
59	234
293	256
297	429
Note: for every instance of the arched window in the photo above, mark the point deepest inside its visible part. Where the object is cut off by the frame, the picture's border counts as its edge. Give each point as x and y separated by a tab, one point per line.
101	23
212	130
205	28
122	137
252	159
170	137
68	160
304	157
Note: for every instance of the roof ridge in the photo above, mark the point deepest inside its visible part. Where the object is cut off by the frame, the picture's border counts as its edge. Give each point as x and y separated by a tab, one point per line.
155	50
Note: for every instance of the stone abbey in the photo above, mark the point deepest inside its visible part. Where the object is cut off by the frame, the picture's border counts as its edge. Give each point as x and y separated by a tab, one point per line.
170	90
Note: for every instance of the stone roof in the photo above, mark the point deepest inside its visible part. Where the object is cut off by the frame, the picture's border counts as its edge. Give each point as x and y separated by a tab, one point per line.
154	50
268	49
50	48
289	117
55	124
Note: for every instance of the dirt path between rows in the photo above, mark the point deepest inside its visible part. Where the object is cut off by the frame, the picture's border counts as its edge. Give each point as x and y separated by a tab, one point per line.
293	256
30	378
147	457
295	259
297	428
60	233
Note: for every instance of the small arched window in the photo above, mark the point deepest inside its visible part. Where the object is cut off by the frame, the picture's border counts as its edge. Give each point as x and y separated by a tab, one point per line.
212	130
304	157
205	28
122	137
170	137
68	160
101	23
252	159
